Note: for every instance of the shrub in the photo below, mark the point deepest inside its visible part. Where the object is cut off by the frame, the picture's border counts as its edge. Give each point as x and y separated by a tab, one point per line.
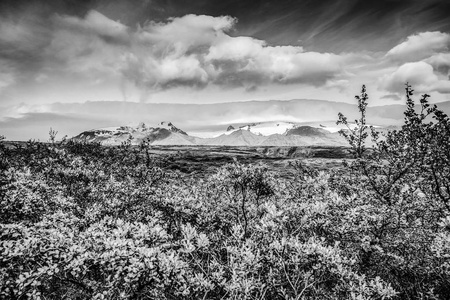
406	175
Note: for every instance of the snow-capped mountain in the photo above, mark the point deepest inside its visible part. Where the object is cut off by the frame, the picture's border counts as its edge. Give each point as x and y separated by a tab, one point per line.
165	133
264	128
169	126
254	134
285	134
237	137
306	131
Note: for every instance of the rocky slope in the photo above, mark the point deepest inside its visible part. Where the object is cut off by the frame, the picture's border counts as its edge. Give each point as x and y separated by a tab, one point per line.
164	134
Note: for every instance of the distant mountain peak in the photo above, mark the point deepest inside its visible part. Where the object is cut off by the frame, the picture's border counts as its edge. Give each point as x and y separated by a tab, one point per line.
163	132
307	131
248	126
230	128
169	126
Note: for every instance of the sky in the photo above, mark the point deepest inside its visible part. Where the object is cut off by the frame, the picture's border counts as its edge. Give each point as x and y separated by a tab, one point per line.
213	51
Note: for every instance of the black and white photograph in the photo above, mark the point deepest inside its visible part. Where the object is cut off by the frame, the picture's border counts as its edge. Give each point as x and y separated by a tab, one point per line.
224	149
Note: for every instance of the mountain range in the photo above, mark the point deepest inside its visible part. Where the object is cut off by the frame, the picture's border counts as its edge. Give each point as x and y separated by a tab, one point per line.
165	133
253	123
207	121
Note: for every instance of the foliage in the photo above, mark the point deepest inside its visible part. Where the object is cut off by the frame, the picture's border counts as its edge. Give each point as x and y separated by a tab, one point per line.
83	221
406	180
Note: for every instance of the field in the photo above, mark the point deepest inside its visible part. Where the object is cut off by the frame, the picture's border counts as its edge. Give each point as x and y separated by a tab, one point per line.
202	160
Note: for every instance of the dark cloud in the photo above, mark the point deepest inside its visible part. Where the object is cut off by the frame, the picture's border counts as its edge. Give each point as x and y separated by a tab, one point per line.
46	8
325	25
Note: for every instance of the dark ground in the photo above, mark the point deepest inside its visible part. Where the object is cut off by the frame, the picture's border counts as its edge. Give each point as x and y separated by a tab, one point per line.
202	159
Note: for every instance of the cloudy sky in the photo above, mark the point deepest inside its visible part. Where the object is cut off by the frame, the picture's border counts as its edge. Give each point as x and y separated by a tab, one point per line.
211	51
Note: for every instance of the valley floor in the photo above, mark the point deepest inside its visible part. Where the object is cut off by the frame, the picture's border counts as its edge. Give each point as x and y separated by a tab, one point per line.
205	159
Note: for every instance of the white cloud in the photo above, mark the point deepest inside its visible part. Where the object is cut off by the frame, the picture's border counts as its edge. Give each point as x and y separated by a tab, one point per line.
165	72
418	74
186	51
182	34
420	46
91	47
440	62
427	66
240	57
94	24
441	86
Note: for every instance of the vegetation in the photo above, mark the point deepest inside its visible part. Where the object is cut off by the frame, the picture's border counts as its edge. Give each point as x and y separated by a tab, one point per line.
82	221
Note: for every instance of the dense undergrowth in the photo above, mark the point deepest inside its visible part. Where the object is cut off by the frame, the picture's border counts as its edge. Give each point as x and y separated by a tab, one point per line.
81	221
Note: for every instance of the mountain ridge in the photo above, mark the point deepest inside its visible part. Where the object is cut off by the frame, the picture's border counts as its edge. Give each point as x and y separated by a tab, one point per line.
296	136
